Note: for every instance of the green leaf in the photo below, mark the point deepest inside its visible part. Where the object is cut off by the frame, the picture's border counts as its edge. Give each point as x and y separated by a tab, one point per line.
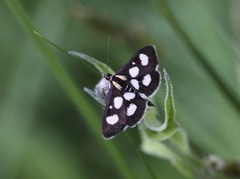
161	150
100	66
176	149
152	128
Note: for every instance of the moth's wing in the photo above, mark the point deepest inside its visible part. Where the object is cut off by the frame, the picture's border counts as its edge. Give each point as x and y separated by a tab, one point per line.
142	71
135	109
114	117
150	52
122	111
148	84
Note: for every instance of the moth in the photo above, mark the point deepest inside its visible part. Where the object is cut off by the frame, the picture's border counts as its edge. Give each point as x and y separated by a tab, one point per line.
129	90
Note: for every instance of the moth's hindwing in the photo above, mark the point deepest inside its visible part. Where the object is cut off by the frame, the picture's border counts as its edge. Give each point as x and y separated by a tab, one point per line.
123	109
135	108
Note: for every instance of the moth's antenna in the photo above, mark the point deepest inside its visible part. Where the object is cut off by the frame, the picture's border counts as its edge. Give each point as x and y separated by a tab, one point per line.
109	38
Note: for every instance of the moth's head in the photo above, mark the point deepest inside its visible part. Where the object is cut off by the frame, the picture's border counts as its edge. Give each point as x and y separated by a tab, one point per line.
108	77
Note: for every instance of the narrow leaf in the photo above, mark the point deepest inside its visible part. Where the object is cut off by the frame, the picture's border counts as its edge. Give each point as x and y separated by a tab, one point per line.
100	66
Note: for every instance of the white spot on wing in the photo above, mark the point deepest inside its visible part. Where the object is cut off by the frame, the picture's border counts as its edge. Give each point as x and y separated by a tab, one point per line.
134	71
144	59
131	109
112	119
128	96
135	83
146	80
110	107
118	101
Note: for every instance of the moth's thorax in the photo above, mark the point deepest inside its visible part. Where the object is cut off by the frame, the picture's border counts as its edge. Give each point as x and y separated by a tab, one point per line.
121	83
118	81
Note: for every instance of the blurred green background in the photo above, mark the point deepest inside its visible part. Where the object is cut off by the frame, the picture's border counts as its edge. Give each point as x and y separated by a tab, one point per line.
43	135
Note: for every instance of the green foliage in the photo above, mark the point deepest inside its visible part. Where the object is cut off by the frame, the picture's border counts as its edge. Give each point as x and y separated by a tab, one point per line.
43	135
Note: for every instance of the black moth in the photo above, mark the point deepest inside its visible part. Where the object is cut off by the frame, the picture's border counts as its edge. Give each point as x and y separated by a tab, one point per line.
129	90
